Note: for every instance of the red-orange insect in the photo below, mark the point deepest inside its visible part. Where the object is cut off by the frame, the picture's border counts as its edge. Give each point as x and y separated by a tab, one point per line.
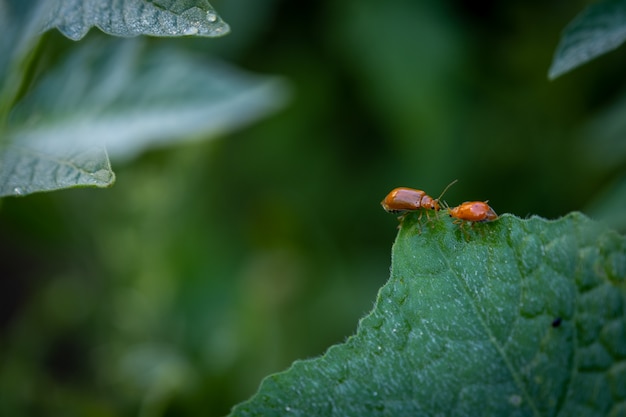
473	211
403	199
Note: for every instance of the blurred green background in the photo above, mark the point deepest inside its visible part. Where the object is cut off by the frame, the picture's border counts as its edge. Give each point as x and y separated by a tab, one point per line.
213	264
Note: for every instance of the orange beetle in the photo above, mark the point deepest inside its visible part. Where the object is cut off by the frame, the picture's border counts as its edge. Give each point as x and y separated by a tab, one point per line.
473	211
403	199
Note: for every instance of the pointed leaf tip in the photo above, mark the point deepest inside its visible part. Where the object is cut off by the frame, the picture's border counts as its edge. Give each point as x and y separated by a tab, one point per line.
31	168
600	28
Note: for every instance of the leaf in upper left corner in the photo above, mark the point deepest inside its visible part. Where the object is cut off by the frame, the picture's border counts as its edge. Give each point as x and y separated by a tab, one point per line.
26	169
130	18
126	96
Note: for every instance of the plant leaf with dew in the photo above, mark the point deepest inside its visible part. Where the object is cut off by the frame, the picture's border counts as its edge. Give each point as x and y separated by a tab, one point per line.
509	318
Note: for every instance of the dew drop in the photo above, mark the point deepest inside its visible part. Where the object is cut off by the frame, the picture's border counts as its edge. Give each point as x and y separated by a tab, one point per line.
211	16
18	191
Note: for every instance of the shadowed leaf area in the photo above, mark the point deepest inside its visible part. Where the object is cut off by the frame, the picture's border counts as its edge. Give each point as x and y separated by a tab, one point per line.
510	318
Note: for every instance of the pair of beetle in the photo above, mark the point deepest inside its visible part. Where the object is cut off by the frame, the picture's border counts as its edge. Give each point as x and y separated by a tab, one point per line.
402	200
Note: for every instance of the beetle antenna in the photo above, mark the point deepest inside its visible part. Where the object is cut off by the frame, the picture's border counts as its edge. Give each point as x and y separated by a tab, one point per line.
446	189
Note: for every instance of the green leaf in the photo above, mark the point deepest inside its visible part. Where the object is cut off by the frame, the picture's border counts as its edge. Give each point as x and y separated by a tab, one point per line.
510	318
129	18
600	28
20	25
120	95
25	170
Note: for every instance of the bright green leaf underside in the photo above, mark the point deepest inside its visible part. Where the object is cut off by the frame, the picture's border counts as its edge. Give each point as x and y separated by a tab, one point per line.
464	327
600	28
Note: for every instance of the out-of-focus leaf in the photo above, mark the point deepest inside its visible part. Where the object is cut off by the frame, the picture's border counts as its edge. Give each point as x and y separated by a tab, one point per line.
122	96
30	167
20	26
511	318
128	18
25	169
600	28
